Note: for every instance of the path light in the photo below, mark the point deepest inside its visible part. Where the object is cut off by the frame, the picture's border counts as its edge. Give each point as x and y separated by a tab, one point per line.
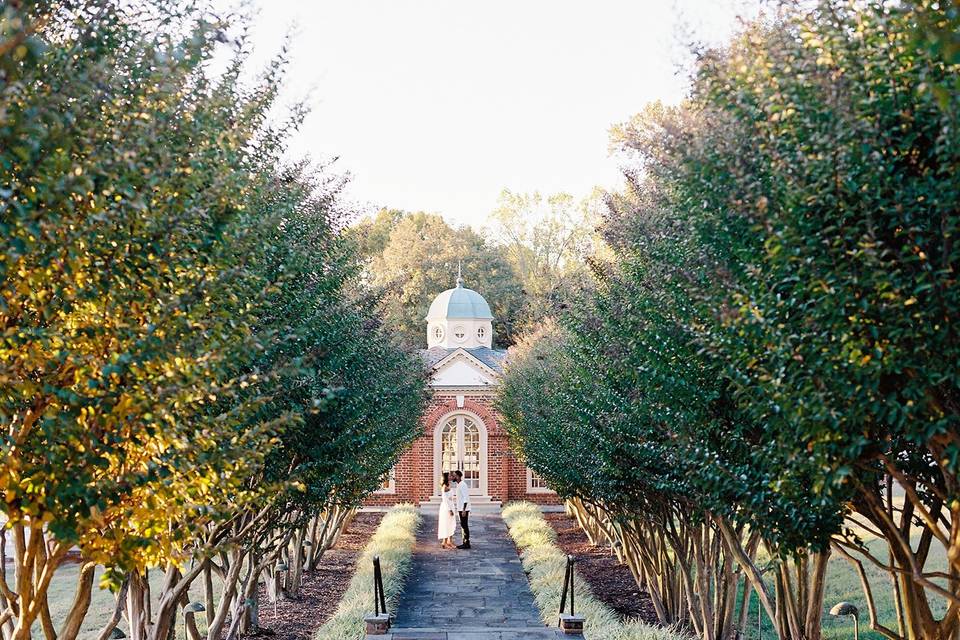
848	609
306	545
281	566
117	634
189	613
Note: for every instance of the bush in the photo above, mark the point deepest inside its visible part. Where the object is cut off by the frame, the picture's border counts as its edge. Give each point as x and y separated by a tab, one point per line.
393	542
545	564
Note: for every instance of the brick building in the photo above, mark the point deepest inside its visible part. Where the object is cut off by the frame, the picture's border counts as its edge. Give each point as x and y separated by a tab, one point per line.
461	429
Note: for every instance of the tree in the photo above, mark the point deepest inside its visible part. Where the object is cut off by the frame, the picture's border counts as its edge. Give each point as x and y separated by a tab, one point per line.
546	241
421	260
372	234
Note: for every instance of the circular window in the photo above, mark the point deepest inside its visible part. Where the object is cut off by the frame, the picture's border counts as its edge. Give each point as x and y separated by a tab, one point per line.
481	332
459	333
438	333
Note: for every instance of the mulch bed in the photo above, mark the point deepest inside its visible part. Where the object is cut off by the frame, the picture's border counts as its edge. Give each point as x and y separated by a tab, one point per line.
611	582
322	589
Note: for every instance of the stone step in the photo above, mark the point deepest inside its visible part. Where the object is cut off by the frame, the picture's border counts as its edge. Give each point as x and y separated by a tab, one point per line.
478	504
471	633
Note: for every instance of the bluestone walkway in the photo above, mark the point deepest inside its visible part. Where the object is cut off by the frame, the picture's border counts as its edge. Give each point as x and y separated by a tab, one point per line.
476	594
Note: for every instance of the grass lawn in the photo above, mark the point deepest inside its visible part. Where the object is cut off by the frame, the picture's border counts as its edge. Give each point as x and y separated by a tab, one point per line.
843	584
63	587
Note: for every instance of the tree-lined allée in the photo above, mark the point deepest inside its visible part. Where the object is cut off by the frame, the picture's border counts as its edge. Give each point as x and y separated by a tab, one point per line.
188	358
738	370
767	372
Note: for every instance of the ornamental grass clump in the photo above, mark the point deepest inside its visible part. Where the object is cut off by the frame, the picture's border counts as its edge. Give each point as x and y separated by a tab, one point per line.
545	565
393	543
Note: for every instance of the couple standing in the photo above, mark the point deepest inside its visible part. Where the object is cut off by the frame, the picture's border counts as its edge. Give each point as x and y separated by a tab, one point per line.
453	497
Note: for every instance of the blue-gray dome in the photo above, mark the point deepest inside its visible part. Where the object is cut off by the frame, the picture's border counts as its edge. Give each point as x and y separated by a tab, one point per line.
459	302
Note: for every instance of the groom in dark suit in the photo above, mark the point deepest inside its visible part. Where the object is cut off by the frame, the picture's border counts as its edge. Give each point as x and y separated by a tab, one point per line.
463	508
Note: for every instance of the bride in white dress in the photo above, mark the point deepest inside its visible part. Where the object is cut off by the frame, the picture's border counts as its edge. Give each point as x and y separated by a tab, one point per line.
446	521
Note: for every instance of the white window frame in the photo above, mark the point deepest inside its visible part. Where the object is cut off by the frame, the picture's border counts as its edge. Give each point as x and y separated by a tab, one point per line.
533	489
437	448
391	483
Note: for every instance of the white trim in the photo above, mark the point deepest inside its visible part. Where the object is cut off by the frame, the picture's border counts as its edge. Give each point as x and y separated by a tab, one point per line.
449	393
391	483
533	489
462	352
441	421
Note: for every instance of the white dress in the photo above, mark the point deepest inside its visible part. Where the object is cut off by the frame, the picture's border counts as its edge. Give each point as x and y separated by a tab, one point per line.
447	523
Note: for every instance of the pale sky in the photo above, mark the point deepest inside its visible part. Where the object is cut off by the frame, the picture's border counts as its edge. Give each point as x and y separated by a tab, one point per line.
438	105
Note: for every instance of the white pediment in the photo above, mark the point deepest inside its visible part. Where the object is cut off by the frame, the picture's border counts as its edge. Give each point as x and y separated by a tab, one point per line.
460	369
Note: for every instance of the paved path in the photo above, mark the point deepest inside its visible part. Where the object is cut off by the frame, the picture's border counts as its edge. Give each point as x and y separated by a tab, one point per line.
480	594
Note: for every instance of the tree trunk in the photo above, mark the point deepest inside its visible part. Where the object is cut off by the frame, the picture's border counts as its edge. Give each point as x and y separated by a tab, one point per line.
228	596
136	612
208	603
250	602
117	611
81	602
295	573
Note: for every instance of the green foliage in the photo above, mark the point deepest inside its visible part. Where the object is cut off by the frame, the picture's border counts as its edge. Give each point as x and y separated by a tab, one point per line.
118	310
777	339
373	234
547	241
185	342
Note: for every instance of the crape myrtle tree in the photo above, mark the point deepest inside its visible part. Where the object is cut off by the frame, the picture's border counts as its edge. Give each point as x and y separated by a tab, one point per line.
188	368
363	395
622	416
833	217
784	305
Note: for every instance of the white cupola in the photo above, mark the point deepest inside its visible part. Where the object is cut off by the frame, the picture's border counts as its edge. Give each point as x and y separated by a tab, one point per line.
459	318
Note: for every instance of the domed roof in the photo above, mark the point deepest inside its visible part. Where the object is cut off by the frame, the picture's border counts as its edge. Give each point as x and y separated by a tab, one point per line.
459	302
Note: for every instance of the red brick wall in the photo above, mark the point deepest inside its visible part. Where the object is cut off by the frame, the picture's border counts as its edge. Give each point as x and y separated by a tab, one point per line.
506	476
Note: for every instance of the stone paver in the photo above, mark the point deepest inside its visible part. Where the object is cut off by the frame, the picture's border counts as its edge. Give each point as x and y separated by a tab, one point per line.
476	594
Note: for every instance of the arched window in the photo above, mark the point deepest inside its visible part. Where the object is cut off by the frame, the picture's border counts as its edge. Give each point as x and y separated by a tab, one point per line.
438	333
459	333
481	332
460	448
